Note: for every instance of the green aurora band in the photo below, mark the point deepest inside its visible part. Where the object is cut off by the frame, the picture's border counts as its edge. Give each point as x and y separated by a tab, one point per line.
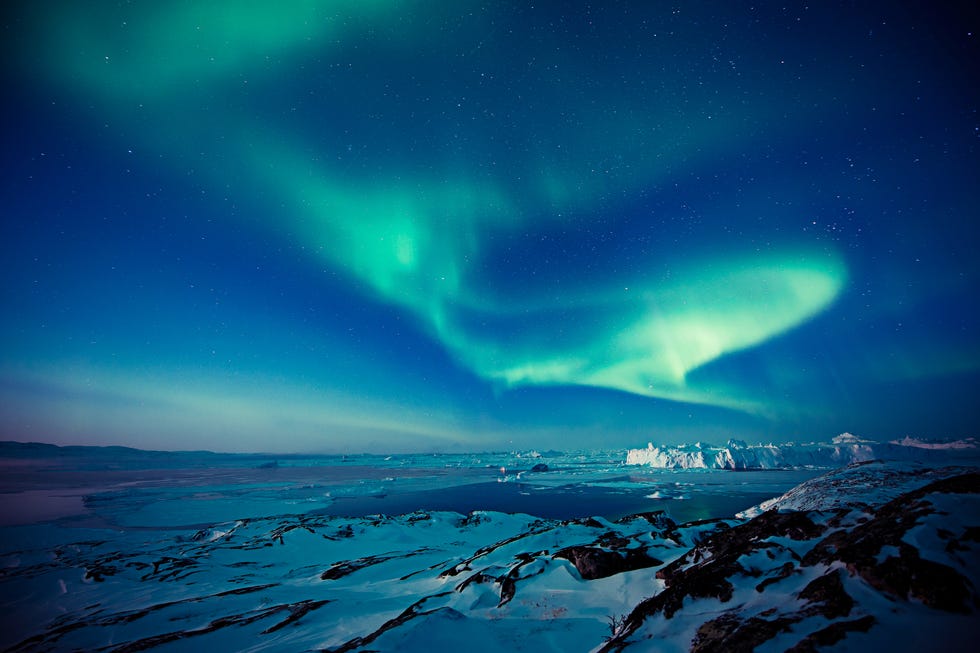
417	239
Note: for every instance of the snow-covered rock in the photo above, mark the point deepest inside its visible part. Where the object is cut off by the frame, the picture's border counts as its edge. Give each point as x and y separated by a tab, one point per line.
855	486
893	564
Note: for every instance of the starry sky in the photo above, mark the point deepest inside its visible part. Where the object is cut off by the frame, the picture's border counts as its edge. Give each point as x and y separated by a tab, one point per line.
406	225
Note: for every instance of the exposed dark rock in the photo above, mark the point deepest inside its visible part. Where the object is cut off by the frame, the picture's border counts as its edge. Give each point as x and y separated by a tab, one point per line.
712	633
99	572
296	611
936	585
707	571
135	615
613	540
409	613
478	577
535	529
657	518
277	534
794	525
730	634
832	634
718	524
783	572
540	467
972	534
704	572
827	597
169	568
838	519
45	641
347	567
508	582
508	586
907	574
593	562
475	518
963	542
590	522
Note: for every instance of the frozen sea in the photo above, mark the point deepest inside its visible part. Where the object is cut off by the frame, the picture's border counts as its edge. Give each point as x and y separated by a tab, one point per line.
130	489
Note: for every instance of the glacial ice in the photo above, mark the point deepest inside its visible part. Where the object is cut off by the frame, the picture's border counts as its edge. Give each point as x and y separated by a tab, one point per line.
844	449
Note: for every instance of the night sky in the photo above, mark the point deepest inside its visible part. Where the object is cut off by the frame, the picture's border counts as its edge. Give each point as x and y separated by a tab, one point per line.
358	225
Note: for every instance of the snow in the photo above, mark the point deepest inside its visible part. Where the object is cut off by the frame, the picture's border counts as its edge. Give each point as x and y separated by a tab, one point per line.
246	561
857	485
907	441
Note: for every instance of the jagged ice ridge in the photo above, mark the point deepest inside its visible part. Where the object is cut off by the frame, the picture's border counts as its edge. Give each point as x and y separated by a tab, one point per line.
845	449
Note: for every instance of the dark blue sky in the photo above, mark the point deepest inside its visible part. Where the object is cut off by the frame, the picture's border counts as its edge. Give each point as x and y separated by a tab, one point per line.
411	225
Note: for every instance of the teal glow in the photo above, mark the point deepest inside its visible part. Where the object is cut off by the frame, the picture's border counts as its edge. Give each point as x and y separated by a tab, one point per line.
417	240
479	216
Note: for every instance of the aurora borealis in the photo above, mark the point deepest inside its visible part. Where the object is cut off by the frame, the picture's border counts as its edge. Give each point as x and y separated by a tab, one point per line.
404	225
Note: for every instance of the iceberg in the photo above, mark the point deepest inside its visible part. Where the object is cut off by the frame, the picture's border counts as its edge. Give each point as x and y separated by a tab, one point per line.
845	449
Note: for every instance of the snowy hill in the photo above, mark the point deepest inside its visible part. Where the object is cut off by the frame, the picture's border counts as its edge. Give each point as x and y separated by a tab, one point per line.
871	574
844	449
855	486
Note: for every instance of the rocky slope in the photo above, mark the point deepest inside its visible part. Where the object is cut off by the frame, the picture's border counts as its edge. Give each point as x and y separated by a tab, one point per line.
864	572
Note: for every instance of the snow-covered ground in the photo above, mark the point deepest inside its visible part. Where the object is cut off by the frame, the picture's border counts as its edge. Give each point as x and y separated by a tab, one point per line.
842	450
890	561
872	556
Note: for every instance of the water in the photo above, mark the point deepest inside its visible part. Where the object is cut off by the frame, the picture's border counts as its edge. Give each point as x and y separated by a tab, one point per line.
189	490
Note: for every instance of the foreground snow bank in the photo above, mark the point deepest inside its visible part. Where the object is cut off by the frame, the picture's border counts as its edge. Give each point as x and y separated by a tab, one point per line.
843	450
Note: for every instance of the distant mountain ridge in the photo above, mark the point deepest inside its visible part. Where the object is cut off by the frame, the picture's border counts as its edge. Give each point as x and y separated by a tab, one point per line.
844	449
15	449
